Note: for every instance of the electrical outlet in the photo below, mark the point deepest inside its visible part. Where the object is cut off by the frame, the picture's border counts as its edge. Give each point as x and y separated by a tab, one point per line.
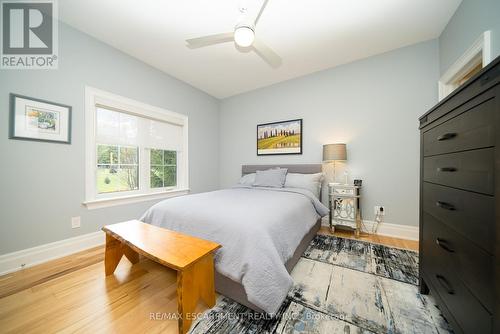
378	209
75	222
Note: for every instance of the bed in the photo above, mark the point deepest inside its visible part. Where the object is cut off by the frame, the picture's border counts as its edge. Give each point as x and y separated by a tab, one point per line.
263	232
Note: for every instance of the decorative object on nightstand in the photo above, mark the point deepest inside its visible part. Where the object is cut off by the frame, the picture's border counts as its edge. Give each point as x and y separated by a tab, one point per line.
344	203
333	153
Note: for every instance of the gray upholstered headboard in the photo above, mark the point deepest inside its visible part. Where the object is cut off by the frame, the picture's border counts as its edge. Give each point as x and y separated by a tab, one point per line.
299	168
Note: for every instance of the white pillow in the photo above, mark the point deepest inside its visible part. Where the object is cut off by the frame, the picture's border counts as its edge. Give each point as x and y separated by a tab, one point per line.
310	182
247	180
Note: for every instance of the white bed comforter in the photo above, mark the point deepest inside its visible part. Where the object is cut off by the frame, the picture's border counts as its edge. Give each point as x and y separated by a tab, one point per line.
258	228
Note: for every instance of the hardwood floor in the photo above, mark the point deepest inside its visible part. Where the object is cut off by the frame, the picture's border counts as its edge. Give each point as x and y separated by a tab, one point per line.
376	239
72	294
85	301
27	278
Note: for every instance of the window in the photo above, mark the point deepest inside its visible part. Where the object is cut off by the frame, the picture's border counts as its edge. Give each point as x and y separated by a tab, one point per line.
163	170
134	151
471	62
117	168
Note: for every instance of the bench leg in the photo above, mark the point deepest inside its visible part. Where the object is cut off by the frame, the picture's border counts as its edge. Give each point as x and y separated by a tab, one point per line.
130	254
113	254
205	276
186	298
115	249
194	283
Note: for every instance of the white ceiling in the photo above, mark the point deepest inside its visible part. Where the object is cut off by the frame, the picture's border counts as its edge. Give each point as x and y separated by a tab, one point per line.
310	35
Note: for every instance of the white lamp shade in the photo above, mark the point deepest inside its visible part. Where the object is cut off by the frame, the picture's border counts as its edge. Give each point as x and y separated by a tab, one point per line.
334	152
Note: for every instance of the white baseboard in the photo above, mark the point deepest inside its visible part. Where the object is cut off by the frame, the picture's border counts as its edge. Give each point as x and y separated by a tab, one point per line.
394	230
32	256
387	229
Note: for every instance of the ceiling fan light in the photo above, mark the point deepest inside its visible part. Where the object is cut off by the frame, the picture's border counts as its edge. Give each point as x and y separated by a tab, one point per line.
244	36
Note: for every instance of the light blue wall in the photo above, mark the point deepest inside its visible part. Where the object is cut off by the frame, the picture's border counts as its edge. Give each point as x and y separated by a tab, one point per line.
42	185
373	105
472	18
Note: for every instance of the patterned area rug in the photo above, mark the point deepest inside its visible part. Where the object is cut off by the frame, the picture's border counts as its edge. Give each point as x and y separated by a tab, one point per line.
394	263
340	286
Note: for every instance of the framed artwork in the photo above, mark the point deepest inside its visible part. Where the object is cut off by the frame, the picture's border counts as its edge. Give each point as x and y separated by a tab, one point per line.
35	119
280	138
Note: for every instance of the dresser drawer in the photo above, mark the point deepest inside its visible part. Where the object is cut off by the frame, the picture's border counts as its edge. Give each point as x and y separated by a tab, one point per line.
470	130
470	170
467	312
471	214
455	257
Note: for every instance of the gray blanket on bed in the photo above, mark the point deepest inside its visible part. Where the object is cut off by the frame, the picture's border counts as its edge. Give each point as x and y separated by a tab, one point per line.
258	228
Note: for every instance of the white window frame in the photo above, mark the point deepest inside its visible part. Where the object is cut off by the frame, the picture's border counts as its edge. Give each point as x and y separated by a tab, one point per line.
479	52
94	200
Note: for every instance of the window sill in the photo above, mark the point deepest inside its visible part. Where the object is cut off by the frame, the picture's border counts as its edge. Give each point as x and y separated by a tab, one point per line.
108	202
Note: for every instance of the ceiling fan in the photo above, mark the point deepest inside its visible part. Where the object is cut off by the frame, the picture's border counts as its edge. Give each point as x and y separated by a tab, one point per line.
243	36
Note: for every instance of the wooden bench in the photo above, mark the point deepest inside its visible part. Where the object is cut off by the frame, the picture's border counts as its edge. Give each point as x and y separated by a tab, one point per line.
191	257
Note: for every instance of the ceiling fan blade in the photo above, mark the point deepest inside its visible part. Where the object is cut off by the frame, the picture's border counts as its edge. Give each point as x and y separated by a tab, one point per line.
260	12
266	53
199	42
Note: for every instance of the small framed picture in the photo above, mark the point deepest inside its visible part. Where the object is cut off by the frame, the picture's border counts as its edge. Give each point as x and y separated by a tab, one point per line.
278	138
35	119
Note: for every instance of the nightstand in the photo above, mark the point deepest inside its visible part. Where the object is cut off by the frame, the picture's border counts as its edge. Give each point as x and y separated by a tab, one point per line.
344	201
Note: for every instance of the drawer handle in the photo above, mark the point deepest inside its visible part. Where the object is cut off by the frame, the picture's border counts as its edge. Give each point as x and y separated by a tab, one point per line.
446	206
445	284
446	169
447	136
444	245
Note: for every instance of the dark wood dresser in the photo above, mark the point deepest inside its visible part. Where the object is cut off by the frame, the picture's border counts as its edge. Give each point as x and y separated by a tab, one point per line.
459	204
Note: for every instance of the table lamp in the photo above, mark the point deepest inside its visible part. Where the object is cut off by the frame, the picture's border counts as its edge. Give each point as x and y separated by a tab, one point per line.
334	152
